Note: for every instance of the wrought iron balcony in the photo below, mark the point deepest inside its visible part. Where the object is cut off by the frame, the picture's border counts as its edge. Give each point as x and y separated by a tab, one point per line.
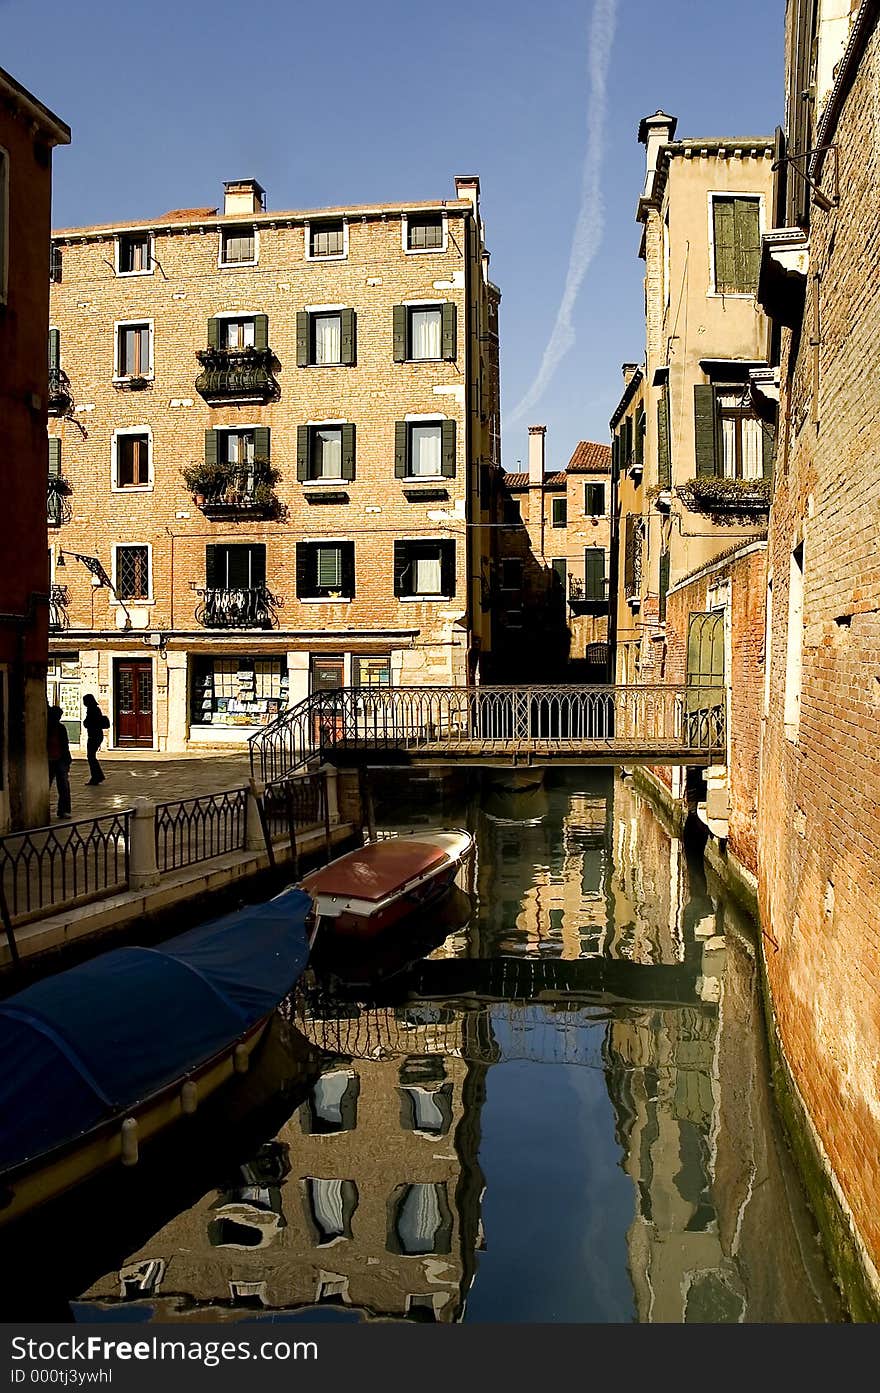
237	375
235	490
588	594
248	607
58	509
60	392
727	499
59	596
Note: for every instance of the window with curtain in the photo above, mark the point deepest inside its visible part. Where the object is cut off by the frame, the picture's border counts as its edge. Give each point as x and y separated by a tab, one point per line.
133	350
326	453
420	1219
742	441
237	333
425	332
326	338
426	575
235	446
425	450
332	1204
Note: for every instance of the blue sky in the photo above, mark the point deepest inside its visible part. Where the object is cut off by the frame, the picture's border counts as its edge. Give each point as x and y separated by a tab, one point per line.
354	102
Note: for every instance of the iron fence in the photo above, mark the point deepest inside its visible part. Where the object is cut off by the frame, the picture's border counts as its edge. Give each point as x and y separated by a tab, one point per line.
197	829
45	869
639	721
295	804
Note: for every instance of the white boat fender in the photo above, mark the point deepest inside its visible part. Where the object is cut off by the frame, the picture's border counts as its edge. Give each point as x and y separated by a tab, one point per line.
240	1059
189	1098
129	1142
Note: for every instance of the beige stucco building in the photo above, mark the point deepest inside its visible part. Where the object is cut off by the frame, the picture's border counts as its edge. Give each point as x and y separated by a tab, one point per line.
271	437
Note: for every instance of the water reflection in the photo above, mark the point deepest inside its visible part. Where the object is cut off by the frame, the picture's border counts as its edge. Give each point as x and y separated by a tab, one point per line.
561	1114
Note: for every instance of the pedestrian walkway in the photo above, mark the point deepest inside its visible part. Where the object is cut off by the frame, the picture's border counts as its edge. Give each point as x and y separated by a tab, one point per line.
162	780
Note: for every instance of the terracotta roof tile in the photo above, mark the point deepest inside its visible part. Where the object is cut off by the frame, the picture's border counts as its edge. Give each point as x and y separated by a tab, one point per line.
188	214
590	458
515	481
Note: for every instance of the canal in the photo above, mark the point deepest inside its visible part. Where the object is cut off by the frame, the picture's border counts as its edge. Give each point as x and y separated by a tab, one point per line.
560	1113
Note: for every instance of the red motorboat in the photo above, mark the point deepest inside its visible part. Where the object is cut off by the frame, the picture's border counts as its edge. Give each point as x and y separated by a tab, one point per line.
368	890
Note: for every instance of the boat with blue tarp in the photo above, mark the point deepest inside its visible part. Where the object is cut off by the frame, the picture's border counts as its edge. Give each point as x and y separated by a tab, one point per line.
103	1056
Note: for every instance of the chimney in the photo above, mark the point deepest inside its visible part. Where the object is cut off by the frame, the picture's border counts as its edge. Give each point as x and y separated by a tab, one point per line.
655	132
536	456
629	372
243	196
468	186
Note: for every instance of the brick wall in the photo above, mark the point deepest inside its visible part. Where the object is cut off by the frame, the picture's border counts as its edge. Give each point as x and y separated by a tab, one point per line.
820	792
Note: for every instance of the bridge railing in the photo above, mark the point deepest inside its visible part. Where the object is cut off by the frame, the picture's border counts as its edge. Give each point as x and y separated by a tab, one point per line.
634	719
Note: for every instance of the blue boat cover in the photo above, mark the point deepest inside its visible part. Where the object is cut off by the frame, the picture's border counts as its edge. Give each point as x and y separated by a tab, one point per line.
96	1040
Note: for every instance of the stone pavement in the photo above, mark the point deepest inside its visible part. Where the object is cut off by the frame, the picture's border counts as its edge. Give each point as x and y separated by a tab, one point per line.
163	780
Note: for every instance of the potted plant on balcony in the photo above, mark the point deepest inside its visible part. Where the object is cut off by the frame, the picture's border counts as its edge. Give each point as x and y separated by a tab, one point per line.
205	481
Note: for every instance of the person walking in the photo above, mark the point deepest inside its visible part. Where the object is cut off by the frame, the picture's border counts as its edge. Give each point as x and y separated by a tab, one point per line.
95	724
58	751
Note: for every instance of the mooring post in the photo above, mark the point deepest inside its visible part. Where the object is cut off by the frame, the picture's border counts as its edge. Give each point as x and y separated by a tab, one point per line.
367	809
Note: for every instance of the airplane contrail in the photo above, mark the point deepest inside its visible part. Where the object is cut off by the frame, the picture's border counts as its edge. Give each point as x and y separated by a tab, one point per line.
591	216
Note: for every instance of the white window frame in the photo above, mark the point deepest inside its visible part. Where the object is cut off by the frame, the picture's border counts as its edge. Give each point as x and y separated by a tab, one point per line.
131	324
151	243
337	256
133	604
428	418
233	228
5	166
424	251
322	483
236	314
712	293
115	486
423	305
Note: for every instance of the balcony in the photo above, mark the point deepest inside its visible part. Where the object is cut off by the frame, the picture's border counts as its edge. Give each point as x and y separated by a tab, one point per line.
728	500
58	509
233	492
248	607
59	596
60	393
587	596
237	375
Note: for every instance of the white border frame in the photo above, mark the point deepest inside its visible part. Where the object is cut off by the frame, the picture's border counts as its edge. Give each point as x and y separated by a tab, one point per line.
424	251
114	439
130	324
130	236
432	418
132	603
712	293
233	228
307	240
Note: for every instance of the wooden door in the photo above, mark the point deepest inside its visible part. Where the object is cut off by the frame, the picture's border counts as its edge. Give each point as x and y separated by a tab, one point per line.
134	702
328	674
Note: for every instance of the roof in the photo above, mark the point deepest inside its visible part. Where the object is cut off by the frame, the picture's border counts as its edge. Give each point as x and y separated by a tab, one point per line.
515	481
590	458
198	217
19	97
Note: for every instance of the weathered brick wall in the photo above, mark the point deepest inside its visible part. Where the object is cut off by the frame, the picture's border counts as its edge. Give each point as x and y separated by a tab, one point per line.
819	820
739	583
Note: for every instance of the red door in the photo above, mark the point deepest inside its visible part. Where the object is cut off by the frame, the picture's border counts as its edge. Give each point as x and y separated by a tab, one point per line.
134	702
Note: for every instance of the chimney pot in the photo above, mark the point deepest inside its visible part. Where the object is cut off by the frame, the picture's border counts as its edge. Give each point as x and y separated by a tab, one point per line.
536	455
243	196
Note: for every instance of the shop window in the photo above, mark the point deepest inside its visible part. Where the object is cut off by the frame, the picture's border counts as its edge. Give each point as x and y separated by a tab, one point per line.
238	691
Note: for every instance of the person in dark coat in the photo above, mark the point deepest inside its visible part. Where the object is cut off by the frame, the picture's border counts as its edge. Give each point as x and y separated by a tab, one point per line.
95	724
58	751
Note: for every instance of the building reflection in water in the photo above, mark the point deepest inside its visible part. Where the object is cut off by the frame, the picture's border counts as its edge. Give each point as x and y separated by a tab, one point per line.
593	945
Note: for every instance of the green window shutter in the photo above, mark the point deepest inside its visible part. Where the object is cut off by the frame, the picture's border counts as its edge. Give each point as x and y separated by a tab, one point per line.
402	569
615	456
348	451
640	436
210	447
347	550
302	452
594	573
664	463
705	432
258	563
349	347
330	568
724	220
302	339
448	349
213	333
54	458
399	332
305	570
768	450
747	243
261	442
401	438
447	449
664	582
54	348
210	567
261	331
447	568
627	440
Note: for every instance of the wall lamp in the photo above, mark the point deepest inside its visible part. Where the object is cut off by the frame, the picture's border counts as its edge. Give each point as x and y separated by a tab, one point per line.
98	574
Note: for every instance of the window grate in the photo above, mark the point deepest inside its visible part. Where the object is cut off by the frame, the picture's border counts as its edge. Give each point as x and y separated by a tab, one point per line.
132	573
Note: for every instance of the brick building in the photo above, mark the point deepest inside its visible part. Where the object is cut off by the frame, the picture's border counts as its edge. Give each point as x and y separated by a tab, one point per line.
28	134
552	568
628	467
269	450
820	783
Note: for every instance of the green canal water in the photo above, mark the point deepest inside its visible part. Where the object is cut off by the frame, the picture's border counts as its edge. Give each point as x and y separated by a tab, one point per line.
561	1112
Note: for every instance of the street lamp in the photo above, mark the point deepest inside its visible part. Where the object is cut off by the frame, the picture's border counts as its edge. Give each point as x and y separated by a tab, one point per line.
99	577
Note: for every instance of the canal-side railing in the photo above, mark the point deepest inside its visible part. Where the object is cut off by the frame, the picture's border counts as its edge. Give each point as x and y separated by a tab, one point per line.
295	804
45	869
664	722
198	829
